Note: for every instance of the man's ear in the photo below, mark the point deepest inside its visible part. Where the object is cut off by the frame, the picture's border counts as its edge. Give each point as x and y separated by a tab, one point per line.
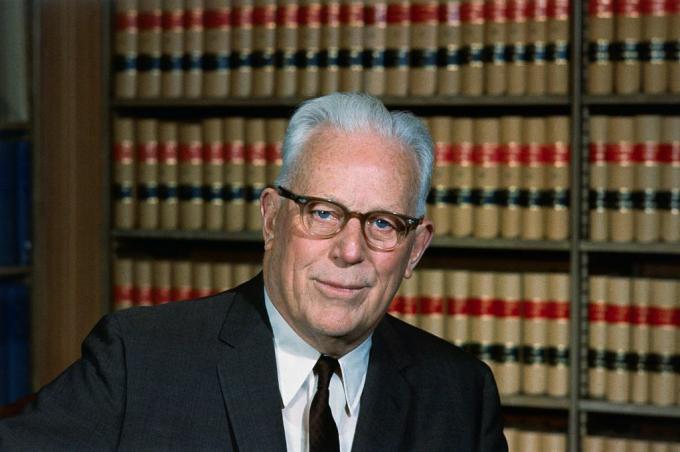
269	208
424	233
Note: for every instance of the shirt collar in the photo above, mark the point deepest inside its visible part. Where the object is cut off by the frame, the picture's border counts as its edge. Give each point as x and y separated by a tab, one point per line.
295	360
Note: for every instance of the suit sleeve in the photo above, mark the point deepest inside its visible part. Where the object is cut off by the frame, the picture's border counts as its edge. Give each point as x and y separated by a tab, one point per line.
82	409
491	435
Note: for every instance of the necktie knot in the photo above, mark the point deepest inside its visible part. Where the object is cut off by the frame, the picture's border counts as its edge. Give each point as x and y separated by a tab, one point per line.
325	367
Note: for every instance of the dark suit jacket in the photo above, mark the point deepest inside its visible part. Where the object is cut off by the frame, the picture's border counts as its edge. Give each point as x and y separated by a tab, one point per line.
201	375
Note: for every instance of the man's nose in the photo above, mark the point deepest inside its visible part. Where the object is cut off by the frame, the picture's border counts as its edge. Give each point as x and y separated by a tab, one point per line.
349	245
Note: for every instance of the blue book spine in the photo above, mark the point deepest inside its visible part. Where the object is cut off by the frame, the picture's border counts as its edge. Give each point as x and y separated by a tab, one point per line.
17	348
7	203
23	202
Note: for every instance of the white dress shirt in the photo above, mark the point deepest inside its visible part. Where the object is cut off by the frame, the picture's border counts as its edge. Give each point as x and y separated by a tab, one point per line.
295	360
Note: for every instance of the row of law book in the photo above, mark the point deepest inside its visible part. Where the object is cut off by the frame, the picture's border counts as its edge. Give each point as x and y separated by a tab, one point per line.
633	340
634	164
14	340
200	175
524	440
15	199
284	48
501	177
633	46
148	282
518	323
608	443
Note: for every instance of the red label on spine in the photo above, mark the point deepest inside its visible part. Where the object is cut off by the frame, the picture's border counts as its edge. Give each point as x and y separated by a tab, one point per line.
449	13
620	153
534	309
273	153
669	153
147	152
458	306
558	9
410	305
618	314
397	306
639	315
495	11
600	8
510	154
172	20
352	14
661	316
538	9
213	153
676	318
330	14
242	16
256	153
123	152
532	154
432	305
193	19
398	14
181	293
234	153
217	18
424	13
486	154
557	154
190	153
201	292
481	306
142	295
264	16
309	15
673	6
653	7
597	312
472	12
375	14
597	152
287	15
126	21
443	154
516	11
646	152
167	152
507	308
122	292
628	8
462	153
161	295
558	310
150	21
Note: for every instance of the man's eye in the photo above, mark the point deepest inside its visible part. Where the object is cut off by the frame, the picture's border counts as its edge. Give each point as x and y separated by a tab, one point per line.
322	214
383	224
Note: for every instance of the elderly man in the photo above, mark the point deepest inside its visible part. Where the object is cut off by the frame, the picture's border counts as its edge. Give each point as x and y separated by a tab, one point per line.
303	357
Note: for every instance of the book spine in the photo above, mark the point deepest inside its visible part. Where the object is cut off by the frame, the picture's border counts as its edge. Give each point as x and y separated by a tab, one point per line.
213	173
275	132
168	189
191	202
533	175
124	173
256	171
472	52
235	174
286	42
193	48
397	41
558	335
655	21
647	176
457	307
486	157
142	293
670	179
640	341
411	299
511	176
508	332
462	176
535	333
329	78
557	176
537	35
202	285
172	48
621	178
517	48
600	75
123	284
149	47
222	276
597	336
448	48
242	17
217	47
618	339
628	28
432	301
673	45
599	178
351	45
308	53
439	206
423	48
125	49
161	290
265	30
482	319
557	52
373	54
664	310
181	280
147	174
495	38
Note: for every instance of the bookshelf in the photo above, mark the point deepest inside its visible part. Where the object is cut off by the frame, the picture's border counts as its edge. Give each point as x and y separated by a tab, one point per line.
576	255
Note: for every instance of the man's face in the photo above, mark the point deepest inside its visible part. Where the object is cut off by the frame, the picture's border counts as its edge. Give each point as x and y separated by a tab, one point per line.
334	291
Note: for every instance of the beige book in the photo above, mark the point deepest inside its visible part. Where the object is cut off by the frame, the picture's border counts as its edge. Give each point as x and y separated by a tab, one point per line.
143	285
458	314
256	171
628	29
621	178
439	206
222	276
309	47
181	280
264	43
172	48
432	299
554	442
557	68
599	175
147	173
213	173
482	320
665	300
640	340
329	80
374	42
193	48
557	173
286	48
123	283
126	37
411	299
191	203
462	176
535	333
487	178
600	23
647	216
517	41
670	178
618	339
448	48
162	281
495	37
654	33
472	32
149	48
511	176
351	44
242	48
235	173
537	36
275	130
168	175
674	39
423	57
558	335
124	173
597	336
217	47
508	332
533	177
397	41
202	279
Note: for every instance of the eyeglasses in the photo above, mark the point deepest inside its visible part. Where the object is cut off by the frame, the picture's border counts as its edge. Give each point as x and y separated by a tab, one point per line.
323	218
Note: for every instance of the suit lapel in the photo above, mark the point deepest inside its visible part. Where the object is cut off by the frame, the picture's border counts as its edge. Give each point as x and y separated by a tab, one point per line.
386	396
247	371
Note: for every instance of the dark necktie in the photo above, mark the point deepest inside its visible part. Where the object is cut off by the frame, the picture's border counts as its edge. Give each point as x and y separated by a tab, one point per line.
323	433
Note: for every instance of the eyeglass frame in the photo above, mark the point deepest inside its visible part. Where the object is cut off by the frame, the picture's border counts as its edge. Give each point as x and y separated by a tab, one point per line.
302	200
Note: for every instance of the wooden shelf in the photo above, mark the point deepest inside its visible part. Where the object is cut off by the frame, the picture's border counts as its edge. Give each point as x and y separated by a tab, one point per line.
14	271
598	406
543	402
631	247
632	99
